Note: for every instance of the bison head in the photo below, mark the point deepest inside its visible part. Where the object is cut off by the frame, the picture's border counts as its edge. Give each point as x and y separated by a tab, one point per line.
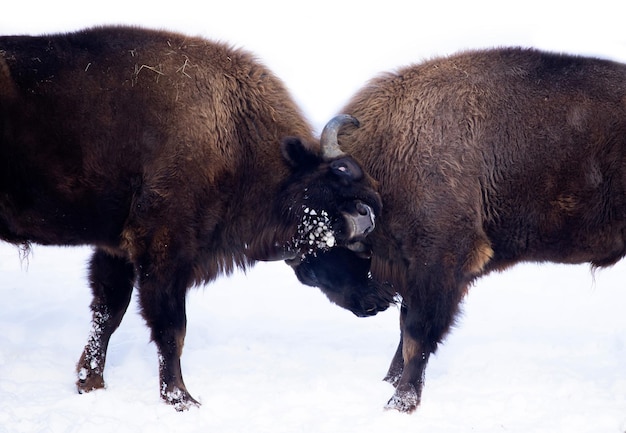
343	275
330	198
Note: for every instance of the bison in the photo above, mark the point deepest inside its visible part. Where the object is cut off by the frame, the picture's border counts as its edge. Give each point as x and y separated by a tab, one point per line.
485	159
178	159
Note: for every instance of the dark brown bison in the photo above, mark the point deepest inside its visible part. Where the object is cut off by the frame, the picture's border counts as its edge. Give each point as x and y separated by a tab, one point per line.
484	159
164	152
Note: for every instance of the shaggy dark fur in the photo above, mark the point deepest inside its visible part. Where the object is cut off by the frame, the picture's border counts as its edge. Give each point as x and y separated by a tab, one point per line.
344	277
164	152
484	159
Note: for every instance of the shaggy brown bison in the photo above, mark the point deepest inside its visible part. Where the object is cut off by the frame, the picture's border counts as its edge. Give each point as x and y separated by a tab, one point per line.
164	152
484	159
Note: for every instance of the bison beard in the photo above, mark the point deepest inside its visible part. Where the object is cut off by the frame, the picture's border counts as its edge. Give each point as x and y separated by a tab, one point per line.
484	159
178	159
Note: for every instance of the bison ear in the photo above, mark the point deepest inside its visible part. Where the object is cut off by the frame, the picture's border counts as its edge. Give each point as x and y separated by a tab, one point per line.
298	154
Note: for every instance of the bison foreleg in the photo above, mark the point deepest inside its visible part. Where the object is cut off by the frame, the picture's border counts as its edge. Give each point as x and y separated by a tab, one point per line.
424	321
173	390
409	385
162	292
407	368
397	363
397	366
111	281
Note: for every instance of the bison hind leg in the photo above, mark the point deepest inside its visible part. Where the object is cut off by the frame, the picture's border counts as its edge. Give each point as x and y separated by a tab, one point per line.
111	280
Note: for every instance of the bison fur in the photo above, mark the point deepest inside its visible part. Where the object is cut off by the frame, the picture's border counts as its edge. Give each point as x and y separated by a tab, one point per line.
178	159
485	159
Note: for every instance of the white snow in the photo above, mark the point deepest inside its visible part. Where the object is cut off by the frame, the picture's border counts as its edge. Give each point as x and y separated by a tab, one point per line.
314	232
538	348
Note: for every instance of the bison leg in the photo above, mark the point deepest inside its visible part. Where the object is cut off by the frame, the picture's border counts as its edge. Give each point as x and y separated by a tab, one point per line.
424	324
111	281
397	366
162	292
409	386
397	363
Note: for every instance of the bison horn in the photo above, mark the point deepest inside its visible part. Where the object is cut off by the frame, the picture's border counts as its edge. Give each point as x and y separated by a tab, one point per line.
328	142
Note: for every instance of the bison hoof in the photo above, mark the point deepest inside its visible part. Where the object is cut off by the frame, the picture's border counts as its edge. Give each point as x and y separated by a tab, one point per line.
180	399
88	381
405	399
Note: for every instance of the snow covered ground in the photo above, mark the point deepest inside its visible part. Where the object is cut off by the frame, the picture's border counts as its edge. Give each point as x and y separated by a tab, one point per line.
538	348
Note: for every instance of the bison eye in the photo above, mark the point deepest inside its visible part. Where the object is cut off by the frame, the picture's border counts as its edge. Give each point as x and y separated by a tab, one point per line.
346	168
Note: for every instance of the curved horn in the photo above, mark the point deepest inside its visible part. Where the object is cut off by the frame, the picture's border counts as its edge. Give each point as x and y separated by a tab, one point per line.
328	141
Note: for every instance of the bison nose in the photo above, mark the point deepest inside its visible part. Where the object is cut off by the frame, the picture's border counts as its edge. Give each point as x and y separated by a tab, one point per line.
361	222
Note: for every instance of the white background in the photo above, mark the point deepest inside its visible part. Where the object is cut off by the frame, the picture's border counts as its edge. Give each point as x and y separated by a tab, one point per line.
539	348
